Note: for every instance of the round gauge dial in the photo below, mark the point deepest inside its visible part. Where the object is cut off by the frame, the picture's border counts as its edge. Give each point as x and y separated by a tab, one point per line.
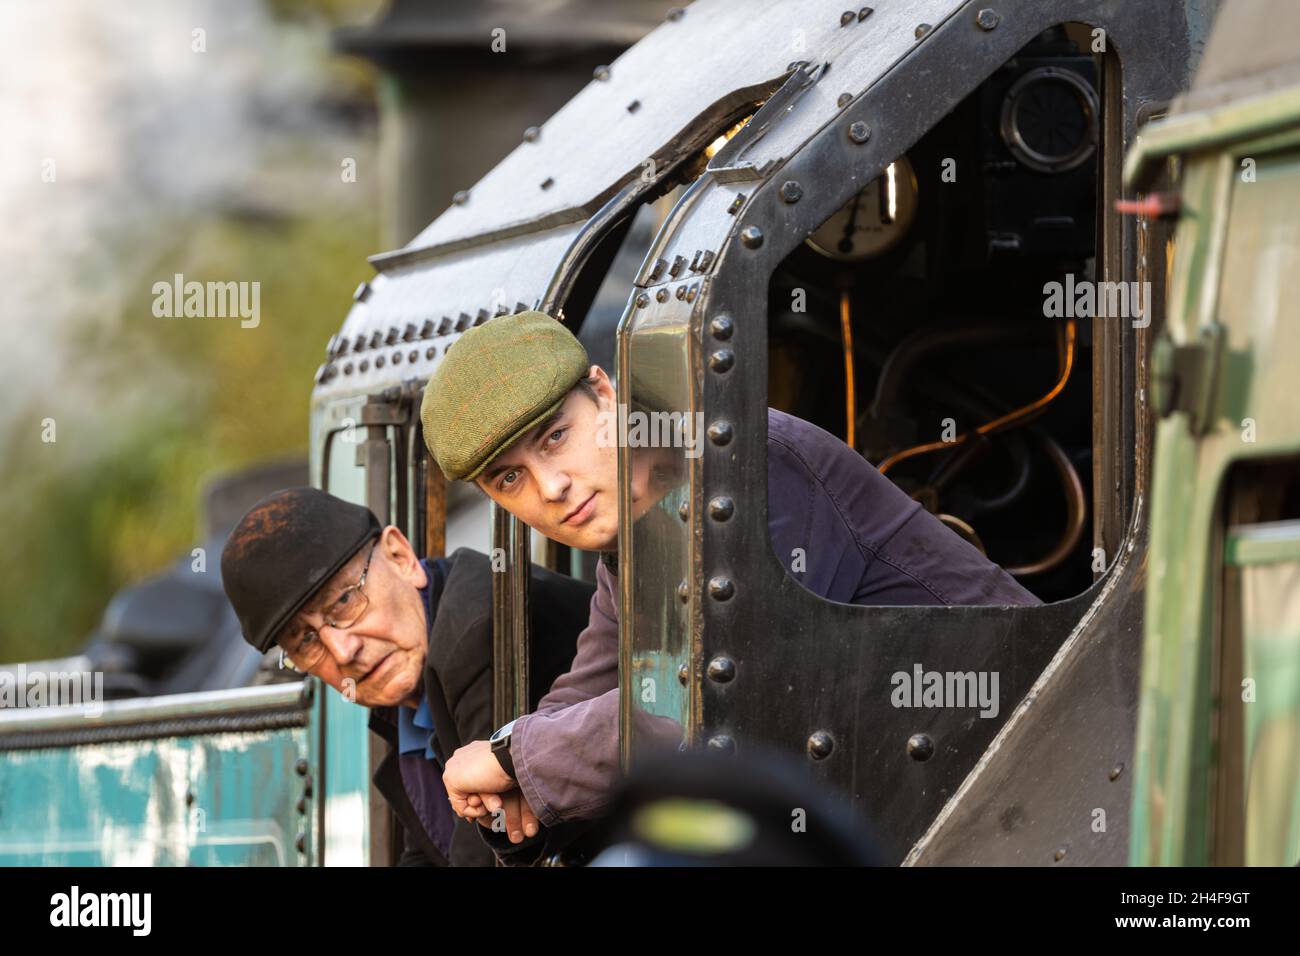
875	220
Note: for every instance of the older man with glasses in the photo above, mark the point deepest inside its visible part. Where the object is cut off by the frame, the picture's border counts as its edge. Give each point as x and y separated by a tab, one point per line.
350	602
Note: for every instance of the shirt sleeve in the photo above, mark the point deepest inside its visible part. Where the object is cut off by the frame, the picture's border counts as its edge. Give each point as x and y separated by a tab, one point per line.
595	657
565	752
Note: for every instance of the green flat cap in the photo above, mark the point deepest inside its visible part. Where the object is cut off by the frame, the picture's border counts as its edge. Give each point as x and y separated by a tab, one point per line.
496	382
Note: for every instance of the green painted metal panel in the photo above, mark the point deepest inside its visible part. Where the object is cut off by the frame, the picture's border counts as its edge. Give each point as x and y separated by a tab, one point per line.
1271	660
1267	543
1237	251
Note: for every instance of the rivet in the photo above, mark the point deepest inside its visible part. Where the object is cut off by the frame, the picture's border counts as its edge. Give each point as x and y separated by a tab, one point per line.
360	344
987	18
676	13
722	670
681	291
736	204
379	361
347	368
531	134
921	30
426	330
642	300
302	804
431	351
300	768
820	745
692	292
1059	855
721	508
364	366
679	263
683	674
791	191
720	433
189	798
377	339
864	13
548	182
408	333
601	73
684	511
920	747
843	100
633	106
306	787
661	295
721	743
721	327
722	360
460	197
859	132
392	336
658	268
847	17
397	358
1116	770
751	236
301	842
721	589
684	591
414	356
706	259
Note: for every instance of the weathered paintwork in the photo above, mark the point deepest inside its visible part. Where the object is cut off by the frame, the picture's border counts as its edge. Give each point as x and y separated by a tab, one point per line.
222	778
1238	252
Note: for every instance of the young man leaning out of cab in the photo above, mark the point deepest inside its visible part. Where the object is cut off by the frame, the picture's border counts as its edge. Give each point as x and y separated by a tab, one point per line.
516	408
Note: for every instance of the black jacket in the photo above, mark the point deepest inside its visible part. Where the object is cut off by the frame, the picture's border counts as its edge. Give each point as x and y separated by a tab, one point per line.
458	679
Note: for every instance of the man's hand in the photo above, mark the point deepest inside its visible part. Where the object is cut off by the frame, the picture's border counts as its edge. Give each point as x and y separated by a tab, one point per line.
473	770
520	820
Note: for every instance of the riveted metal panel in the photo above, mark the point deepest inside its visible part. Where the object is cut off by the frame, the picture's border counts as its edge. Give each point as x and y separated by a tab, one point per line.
804	666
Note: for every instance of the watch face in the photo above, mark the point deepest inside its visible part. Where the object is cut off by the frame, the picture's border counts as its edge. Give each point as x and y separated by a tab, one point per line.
500	732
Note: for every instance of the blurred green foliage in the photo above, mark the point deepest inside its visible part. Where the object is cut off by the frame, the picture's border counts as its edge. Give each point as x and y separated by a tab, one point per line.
117	496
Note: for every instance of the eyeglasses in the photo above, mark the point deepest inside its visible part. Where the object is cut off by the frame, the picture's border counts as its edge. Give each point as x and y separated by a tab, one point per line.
345	610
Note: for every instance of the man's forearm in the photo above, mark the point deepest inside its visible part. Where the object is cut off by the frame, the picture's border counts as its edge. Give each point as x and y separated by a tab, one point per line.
566	761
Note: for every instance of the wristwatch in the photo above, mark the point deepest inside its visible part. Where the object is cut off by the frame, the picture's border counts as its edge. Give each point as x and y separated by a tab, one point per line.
500	741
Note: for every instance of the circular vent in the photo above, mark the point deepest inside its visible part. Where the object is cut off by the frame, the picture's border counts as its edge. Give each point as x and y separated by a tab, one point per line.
1049	120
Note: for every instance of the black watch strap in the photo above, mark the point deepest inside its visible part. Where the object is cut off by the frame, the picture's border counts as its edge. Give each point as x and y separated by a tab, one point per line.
503	758
500	744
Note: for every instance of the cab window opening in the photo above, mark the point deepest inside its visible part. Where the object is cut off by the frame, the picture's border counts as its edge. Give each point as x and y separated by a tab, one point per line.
916	322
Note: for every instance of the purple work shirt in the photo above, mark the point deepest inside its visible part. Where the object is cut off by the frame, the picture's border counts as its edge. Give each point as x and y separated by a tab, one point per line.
864	541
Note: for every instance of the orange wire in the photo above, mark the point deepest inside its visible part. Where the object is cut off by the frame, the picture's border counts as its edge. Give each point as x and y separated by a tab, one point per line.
846	330
997	423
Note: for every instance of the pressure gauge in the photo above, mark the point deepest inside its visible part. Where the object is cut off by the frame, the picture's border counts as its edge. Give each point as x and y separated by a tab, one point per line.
875	220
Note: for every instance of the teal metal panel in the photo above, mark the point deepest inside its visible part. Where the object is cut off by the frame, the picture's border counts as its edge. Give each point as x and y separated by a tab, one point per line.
215	779
347	782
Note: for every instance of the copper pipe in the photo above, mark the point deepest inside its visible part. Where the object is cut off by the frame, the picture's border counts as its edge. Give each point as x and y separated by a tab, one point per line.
850	396
1019	416
1076	508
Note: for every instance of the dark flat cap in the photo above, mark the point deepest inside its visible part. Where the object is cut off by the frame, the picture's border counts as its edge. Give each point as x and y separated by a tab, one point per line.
285	550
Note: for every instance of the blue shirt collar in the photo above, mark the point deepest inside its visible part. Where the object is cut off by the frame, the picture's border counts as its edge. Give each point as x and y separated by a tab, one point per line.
415	731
